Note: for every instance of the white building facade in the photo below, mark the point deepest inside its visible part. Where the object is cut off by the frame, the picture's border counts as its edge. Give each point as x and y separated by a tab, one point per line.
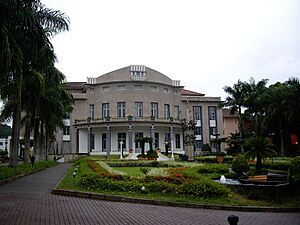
111	110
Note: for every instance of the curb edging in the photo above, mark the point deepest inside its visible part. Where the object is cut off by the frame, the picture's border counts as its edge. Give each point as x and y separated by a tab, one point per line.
116	198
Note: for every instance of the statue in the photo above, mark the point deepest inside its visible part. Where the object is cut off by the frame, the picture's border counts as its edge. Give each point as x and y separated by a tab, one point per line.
188	129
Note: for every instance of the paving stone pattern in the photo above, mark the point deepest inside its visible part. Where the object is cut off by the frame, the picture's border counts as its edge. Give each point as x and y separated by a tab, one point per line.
29	201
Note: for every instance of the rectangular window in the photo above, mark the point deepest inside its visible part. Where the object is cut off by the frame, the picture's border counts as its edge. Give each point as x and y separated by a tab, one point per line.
138	135
176	112
105	110
154	109
177	140
105	88
197	113
198	131
198	144
104	142
92	89
121	87
166	111
153	88
92	141
92	111
121	138
66	130
138	109
121	106
212	113
138	87
166	90
156	140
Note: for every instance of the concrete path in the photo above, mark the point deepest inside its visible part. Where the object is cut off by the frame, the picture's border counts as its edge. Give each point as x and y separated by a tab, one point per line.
29	201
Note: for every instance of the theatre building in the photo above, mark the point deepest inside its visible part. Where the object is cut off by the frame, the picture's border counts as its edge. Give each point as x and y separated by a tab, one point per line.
110	111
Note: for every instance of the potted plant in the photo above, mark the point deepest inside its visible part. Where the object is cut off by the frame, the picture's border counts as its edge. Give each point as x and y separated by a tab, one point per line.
220	157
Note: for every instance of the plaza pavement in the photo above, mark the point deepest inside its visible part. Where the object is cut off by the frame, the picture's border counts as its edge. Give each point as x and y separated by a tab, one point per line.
29	201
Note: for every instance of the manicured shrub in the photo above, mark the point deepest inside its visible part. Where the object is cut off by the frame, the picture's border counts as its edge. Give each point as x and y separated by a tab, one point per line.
240	164
95	166
280	165
206	159
7	172
204	188
213	168
294	171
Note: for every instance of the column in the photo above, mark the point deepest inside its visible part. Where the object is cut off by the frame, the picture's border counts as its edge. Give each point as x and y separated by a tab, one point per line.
89	140
77	140
152	132
172	140
108	139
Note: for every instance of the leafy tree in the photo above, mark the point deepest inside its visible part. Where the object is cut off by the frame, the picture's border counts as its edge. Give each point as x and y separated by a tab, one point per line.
255	101
260	148
5	130
25	29
278	110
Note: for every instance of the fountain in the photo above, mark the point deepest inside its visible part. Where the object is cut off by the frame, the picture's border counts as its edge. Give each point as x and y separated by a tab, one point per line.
224	180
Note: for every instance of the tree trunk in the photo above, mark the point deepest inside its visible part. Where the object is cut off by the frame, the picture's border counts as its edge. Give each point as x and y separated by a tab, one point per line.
27	140
258	163
41	148
13	160
36	137
241	128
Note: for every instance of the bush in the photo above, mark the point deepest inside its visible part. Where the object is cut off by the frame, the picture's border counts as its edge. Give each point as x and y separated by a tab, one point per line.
280	165
206	159
240	164
213	168
7	172
294	171
204	188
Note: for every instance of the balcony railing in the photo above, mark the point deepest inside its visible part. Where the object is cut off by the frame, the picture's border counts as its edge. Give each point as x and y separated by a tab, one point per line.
124	119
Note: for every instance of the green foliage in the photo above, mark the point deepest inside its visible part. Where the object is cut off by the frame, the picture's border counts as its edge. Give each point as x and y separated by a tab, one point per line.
280	165
213	168
294	171
260	148
144	170
206	147
5	130
240	164
206	159
154	163
8	172
3	153
204	188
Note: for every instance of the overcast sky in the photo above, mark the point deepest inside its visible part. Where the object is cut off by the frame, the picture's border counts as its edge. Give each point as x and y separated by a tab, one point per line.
206	44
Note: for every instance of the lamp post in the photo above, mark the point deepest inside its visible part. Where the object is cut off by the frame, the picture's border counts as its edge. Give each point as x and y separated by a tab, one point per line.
217	142
152	131
121	146
89	134
172	137
108	136
130	133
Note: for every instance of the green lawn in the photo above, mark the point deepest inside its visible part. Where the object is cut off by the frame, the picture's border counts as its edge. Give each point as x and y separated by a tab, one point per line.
131	171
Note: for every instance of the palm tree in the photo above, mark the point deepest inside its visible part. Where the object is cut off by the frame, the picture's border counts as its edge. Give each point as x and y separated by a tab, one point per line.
236	100
278	110
25	29
254	99
260	148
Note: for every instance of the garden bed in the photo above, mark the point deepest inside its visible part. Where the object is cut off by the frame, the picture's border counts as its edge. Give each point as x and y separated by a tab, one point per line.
182	183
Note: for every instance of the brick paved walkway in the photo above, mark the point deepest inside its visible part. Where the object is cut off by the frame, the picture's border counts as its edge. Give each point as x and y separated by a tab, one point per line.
20	204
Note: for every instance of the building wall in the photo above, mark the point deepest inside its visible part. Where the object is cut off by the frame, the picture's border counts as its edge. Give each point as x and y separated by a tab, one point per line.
118	86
